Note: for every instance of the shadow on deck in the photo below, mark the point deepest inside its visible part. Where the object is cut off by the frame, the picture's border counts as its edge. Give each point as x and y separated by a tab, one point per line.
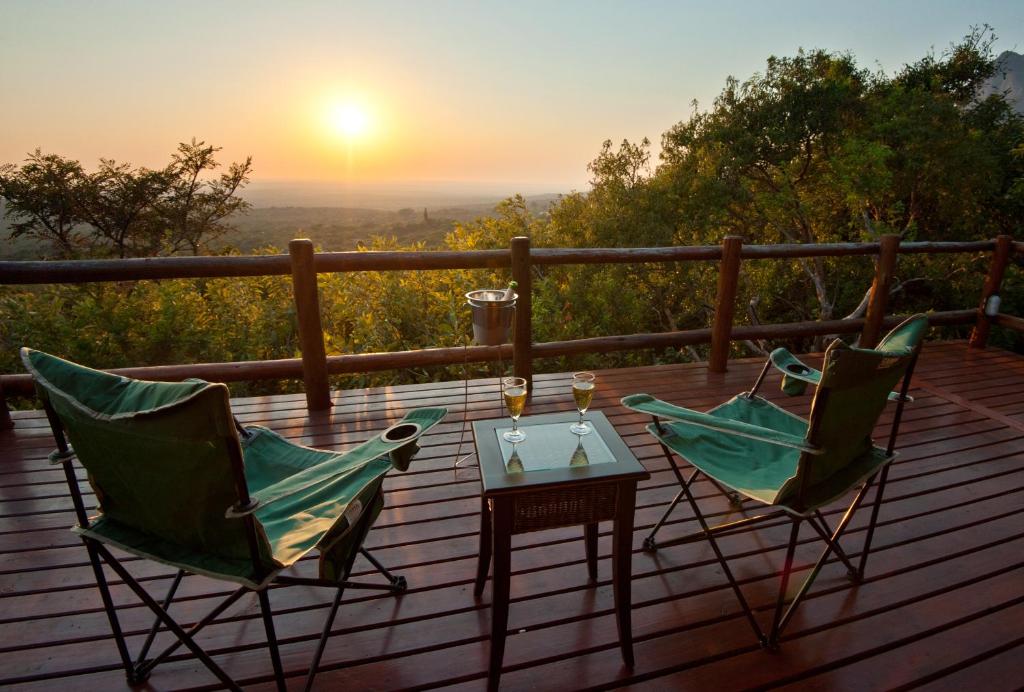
942	603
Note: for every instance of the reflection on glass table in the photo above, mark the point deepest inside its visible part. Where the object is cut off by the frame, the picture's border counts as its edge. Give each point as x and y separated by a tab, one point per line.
514	463
552	446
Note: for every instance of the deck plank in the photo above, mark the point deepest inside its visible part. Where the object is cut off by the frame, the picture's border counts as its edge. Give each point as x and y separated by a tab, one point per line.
946	574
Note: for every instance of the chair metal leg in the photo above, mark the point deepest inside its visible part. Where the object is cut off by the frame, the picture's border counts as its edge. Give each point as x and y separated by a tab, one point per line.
156	623
871	524
268	624
108	605
720	529
322	644
734	498
398	583
146	667
725	567
649	544
760	379
826	535
181	634
806	585
787	570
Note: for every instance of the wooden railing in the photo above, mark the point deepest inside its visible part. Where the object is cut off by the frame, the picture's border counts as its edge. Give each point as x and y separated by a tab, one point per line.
315	365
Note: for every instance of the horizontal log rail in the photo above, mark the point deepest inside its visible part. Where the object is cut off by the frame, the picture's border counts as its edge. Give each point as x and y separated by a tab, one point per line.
1009	322
524	351
374	260
291	368
801	250
14	272
138	269
135	269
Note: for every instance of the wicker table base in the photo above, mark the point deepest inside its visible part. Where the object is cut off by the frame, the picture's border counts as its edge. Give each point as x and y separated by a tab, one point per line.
525	505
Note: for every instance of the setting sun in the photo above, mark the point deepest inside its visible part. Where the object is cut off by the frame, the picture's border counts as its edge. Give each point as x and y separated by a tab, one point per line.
349	119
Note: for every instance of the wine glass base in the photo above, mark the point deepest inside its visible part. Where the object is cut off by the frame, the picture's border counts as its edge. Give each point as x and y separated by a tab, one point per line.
514	436
580	429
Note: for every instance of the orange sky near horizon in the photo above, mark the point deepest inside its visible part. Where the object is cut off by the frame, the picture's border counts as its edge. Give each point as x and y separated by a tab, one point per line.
452	91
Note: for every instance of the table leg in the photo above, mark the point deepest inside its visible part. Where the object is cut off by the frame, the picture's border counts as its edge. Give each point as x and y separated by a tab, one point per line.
502	518
622	571
590	540
483	563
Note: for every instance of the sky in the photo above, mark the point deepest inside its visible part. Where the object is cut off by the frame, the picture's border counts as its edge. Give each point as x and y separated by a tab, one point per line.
477	93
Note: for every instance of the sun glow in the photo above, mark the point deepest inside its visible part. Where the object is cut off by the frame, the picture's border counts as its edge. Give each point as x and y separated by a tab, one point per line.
349	120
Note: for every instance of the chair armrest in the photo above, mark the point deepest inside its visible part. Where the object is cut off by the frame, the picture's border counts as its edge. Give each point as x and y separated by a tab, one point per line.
645	403
791	366
379	447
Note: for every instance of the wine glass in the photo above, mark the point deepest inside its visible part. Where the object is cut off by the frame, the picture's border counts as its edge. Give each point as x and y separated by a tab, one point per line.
513	389
582	392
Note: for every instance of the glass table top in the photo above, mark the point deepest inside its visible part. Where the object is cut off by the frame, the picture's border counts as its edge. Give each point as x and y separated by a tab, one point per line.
552	446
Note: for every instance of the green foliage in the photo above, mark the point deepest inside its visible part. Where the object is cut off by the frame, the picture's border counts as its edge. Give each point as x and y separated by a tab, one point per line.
120	211
818	150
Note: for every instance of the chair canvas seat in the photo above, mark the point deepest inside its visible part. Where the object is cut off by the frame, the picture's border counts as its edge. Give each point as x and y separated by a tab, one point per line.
165	435
319	517
751	449
179	481
303	520
760	470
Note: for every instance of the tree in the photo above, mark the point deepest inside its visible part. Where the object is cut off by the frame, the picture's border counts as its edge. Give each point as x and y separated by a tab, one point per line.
117	203
817	149
625	206
192	211
814	149
120	211
41	199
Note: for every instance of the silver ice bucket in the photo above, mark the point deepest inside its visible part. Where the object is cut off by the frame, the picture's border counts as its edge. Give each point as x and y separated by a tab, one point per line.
492	315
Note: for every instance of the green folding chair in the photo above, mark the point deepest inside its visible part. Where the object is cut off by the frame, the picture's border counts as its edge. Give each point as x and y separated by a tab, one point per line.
753	450
178	480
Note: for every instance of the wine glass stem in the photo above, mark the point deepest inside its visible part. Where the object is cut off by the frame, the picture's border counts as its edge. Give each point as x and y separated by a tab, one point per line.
581	419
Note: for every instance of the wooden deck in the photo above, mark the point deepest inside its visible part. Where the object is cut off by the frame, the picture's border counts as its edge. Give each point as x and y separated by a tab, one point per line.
942	607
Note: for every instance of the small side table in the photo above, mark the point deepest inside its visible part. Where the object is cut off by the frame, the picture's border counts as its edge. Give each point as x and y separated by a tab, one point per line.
553	479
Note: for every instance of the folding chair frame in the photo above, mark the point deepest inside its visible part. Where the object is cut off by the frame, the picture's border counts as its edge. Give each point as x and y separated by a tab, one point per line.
138	670
783	614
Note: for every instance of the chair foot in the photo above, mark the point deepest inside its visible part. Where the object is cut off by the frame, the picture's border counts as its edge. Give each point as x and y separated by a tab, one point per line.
770	644
398	584
650	545
138	673
735	500
854	576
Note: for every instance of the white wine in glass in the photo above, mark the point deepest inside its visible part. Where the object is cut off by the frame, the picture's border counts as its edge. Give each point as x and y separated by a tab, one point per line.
513	389
582	391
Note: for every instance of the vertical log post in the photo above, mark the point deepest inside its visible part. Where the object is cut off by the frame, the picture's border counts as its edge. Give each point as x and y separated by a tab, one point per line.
522	344
5	413
725	302
1000	258
311	334
884	270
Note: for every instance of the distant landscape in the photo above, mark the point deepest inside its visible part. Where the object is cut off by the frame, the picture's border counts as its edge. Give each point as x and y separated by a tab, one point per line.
341	228
329	227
